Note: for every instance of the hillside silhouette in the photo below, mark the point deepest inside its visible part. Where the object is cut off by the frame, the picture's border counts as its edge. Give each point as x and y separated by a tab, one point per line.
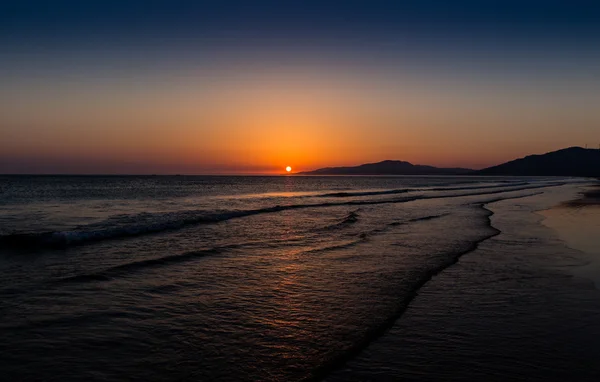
572	161
389	167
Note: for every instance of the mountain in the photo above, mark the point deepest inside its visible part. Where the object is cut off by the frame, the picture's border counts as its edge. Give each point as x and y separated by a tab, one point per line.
388	167
573	161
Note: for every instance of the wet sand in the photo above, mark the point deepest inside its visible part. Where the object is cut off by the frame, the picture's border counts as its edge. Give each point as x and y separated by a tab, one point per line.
577	224
589	196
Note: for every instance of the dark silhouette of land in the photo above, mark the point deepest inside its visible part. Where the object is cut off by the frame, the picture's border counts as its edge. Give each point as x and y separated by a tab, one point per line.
389	167
573	161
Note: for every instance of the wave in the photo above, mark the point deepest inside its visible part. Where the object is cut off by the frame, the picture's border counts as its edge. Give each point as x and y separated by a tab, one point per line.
97	232
404	190
349	219
172	221
115	272
361	193
373	333
127	268
119	270
507	184
415	220
148	224
132	267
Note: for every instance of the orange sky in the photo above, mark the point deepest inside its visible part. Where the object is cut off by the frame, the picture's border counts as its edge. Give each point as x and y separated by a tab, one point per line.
259	121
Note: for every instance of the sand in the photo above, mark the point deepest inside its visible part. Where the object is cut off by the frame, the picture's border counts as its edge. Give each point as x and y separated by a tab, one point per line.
577	224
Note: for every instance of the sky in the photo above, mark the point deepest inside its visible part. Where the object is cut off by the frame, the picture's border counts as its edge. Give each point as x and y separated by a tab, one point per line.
250	87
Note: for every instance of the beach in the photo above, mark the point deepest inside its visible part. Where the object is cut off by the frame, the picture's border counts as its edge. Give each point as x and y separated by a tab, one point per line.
294	279
299	191
522	306
577	224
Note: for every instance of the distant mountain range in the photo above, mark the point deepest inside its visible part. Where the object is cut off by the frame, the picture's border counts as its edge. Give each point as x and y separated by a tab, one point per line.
573	161
388	167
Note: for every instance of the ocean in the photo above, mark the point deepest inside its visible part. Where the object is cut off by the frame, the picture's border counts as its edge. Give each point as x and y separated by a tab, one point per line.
288	278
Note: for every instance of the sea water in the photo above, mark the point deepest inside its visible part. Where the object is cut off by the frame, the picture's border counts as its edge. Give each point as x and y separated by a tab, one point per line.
224	278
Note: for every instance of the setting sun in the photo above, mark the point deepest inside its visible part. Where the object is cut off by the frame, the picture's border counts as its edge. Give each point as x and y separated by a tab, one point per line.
288	169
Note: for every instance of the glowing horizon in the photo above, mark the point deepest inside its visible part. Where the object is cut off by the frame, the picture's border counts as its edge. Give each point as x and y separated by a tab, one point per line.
229	98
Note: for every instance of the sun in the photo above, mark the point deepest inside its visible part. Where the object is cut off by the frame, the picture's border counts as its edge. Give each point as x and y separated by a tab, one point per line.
288	169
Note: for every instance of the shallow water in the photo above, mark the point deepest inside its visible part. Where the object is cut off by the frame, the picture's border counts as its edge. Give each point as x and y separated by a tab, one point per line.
229	278
510	310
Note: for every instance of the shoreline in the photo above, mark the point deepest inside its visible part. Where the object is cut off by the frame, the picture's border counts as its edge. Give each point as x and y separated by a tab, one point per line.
587	197
510	310
577	224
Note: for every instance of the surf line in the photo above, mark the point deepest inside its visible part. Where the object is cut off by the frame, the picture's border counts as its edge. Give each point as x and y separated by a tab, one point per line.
62	240
333	364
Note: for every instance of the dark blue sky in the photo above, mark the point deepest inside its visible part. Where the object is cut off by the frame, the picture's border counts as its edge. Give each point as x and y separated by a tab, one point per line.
81	21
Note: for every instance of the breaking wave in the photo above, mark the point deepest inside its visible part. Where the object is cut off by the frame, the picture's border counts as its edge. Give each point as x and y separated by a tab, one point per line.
143	224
